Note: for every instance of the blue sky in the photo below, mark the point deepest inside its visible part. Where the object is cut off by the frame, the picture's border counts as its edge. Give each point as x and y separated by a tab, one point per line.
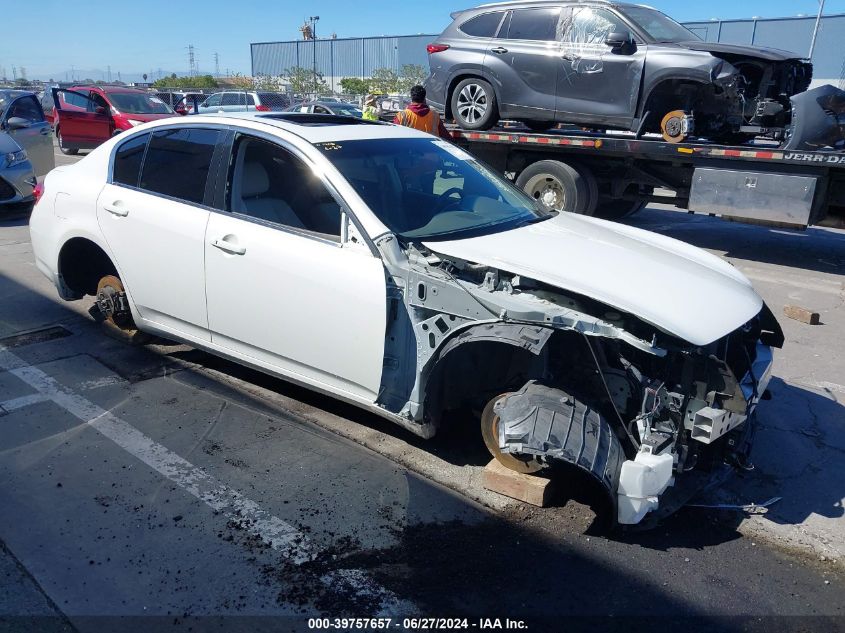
133	38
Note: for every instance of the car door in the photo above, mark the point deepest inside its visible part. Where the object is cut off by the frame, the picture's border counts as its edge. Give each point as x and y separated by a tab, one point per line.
212	104
283	290
522	62
31	131
153	213
86	124
597	83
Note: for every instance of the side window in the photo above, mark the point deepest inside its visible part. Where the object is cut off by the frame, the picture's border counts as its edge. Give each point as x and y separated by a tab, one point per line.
230	99
269	183
213	100
178	161
97	101
127	160
318	109
590	25
75	99
533	24
26	108
484	25
250	100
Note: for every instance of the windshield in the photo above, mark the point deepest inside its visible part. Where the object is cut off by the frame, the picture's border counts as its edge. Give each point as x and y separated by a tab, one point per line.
660	27
136	103
425	189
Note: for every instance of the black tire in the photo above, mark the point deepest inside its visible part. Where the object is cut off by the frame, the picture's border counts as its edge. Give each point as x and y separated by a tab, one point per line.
558	186
618	209
64	150
539	126
474	105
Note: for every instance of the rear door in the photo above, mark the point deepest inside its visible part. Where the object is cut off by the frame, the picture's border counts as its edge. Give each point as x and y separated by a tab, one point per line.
597	84
153	213
522	62
86	125
36	137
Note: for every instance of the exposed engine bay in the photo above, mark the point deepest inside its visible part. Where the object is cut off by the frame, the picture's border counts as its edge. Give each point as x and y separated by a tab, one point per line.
564	381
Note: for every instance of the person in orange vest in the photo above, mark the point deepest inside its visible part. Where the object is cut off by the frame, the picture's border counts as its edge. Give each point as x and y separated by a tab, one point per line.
420	117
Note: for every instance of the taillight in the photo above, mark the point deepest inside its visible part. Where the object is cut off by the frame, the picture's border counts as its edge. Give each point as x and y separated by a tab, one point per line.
436	48
38	191
262	108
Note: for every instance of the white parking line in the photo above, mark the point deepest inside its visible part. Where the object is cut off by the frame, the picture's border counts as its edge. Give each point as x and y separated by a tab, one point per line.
279	534
282	536
7	406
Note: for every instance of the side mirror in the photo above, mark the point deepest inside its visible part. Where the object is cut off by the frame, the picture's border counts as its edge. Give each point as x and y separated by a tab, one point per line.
99	110
16	123
619	39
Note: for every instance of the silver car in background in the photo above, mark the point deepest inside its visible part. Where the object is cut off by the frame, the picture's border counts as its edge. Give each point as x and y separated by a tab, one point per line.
26	146
244	101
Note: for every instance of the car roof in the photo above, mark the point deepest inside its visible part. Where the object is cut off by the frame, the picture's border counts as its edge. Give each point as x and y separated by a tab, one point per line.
313	128
516	3
108	89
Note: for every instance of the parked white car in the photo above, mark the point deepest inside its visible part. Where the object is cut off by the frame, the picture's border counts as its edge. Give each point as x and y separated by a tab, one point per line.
392	270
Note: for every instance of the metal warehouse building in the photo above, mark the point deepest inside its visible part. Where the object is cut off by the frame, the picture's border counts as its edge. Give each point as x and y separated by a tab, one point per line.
359	57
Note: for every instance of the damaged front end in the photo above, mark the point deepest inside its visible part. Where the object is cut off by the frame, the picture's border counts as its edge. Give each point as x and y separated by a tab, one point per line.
694	419
570	381
818	120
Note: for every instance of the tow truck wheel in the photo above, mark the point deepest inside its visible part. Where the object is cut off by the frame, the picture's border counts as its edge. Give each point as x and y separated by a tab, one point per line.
618	209
560	187
64	150
490	432
113	304
675	126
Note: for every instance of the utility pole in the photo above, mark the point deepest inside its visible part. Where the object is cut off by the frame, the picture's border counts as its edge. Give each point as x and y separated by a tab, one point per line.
109	67
216	64
14	73
191	61
313	19
816	29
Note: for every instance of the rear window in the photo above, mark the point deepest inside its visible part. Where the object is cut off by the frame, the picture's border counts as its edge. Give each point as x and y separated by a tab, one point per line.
484	25
127	160
178	161
273	99
533	24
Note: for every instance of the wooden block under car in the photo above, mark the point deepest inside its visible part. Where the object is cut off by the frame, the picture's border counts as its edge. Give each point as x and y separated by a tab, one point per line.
802	314
532	489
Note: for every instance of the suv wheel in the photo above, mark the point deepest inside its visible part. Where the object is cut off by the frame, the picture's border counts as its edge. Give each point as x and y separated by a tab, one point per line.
474	105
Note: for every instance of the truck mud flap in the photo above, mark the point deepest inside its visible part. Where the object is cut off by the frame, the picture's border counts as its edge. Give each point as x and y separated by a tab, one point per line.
818	120
555	426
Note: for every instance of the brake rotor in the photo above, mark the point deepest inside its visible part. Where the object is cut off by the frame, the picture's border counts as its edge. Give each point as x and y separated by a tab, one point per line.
490	432
113	304
675	126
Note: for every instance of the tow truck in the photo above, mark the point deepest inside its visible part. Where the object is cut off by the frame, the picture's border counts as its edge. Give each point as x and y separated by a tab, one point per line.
613	175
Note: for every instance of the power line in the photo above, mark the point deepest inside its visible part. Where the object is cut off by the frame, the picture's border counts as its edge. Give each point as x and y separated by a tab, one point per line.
191	61
216	64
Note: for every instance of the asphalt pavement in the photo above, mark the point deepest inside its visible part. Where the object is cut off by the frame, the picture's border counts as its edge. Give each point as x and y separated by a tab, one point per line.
160	488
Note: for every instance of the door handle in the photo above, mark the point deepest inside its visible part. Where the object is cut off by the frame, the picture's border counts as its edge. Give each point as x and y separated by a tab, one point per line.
228	247
499	50
117	209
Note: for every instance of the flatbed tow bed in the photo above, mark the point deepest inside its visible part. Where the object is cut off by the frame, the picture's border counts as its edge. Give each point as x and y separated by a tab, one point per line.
613	175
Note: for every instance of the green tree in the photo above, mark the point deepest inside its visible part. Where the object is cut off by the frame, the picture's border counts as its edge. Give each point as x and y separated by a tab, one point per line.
199	81
355	86
303	81
385	80
411	75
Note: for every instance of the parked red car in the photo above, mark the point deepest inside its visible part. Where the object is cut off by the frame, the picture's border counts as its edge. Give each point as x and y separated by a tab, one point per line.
86	116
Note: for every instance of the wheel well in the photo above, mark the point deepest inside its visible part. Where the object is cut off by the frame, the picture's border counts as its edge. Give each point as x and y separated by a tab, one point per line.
81	265
455	81
668	95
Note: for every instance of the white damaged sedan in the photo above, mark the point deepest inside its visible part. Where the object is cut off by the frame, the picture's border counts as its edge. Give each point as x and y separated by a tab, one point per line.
392	270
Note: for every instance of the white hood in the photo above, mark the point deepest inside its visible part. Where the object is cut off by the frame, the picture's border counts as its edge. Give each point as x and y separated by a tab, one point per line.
678	288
